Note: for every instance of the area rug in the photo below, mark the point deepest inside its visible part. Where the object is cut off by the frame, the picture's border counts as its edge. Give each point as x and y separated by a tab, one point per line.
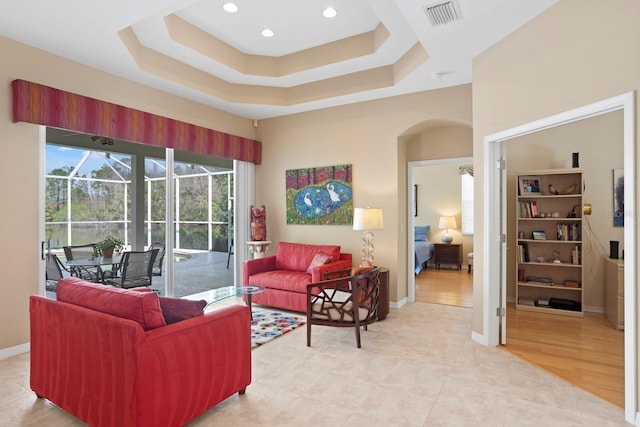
270	324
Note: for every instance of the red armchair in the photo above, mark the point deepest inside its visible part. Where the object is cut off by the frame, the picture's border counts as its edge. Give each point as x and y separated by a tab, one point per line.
285	276
114	371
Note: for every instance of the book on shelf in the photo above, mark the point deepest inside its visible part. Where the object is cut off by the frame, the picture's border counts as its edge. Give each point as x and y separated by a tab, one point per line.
538	235
525	252
538	279
568	232
528	209
575	255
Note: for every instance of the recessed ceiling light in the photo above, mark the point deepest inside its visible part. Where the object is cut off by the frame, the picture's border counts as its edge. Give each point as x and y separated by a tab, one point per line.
267	32
329	12
230	7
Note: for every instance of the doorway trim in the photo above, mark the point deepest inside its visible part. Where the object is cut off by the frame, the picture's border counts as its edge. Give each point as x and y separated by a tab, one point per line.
491	287
411	166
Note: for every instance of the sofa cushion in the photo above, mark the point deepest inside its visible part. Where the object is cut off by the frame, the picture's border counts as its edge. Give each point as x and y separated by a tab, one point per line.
177	309
298	256
141	307
320	258
286	280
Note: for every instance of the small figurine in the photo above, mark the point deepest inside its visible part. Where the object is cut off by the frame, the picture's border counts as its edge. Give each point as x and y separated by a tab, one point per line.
258	223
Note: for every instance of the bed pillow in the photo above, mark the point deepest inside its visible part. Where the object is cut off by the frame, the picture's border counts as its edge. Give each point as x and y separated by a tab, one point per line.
421	233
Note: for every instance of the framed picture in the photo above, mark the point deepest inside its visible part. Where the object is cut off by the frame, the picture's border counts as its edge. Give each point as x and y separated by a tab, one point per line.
618	197
319	195
529	185
538	235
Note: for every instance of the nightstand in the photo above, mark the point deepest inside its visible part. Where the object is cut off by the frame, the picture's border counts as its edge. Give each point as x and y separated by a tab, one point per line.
448	253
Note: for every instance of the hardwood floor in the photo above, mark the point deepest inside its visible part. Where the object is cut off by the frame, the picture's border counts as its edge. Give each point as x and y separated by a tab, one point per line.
587	352
445	286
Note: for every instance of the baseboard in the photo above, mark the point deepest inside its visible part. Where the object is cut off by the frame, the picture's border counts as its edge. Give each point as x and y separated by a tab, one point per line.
480	339
398	304
8	352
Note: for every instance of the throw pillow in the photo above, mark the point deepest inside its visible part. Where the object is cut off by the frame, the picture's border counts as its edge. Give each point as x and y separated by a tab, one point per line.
421	233
177	309
320	258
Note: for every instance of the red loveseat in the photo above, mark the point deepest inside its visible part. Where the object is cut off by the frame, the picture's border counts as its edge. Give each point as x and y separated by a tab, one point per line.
108	357
285	275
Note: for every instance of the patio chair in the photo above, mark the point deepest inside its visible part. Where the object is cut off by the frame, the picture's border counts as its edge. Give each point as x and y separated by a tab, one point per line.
229	253
135	270
54	272
83	252
344	302
157	264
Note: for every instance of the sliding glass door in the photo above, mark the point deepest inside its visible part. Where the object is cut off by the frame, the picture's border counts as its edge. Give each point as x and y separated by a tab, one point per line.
89	193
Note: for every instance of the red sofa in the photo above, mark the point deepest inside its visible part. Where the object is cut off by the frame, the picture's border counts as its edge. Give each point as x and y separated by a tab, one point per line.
285	275
108	356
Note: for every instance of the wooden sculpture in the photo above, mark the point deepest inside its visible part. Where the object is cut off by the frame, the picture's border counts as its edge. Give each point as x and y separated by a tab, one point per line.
258	223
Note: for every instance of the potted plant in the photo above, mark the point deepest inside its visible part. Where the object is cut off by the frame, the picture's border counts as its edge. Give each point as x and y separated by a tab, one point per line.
109	245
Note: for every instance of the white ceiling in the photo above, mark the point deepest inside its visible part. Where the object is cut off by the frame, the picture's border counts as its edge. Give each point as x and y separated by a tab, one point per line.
90	32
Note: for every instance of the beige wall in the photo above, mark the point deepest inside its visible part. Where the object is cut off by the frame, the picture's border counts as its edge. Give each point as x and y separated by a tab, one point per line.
19	215
365	135
440	194
435	139
599	142
571	55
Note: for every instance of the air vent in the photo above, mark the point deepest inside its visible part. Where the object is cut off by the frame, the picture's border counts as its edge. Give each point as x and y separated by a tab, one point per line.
442	13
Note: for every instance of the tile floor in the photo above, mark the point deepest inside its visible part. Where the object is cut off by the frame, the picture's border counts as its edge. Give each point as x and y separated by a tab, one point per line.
419	367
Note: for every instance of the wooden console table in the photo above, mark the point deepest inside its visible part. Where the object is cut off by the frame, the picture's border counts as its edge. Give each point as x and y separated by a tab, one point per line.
448	253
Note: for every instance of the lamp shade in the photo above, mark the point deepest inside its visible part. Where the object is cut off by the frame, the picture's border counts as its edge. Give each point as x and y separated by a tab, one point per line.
447	222
367	219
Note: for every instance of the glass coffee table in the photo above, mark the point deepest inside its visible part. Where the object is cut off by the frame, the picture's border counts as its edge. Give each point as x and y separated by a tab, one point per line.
219	294
249	290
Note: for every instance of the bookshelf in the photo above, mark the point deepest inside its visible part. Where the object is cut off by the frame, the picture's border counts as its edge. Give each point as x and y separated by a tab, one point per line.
549	273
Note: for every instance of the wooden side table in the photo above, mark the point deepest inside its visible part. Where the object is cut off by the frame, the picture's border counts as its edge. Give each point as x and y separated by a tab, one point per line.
448	253
383	302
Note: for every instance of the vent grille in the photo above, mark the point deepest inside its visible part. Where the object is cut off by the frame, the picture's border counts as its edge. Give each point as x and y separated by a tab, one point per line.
442	13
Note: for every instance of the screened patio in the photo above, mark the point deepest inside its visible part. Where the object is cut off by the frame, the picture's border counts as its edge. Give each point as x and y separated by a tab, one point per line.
89	195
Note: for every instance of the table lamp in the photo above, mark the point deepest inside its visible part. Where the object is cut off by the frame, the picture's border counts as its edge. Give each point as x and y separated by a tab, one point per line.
367	219
446	223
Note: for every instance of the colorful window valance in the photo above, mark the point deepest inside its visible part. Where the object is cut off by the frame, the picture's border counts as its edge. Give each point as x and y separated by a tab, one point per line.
43	105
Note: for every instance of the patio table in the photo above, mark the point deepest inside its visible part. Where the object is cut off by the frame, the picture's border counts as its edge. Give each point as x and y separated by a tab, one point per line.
95	262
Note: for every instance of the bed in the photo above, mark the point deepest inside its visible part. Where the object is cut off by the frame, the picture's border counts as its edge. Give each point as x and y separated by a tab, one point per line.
423	248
